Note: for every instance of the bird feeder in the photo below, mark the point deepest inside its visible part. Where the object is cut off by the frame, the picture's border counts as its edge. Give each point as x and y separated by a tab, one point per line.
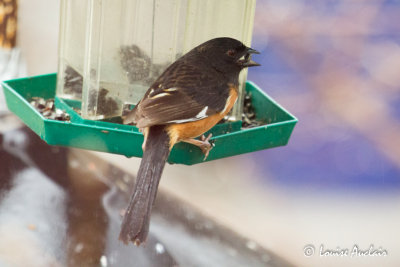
111	51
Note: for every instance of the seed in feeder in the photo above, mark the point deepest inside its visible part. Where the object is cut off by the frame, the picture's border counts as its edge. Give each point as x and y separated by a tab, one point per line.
135	62
47	113
251	115
72	82
59	112
47	109
49	105
41	103
52	116
105	104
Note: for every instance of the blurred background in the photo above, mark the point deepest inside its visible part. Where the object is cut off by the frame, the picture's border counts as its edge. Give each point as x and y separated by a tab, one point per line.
335	65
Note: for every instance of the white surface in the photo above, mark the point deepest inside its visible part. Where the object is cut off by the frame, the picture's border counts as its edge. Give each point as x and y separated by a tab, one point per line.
38	34
285	220
37	42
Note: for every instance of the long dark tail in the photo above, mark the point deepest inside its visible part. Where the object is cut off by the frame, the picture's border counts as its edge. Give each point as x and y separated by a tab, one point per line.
135	225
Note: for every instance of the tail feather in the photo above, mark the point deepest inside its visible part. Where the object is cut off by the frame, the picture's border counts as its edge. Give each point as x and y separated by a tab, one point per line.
135	225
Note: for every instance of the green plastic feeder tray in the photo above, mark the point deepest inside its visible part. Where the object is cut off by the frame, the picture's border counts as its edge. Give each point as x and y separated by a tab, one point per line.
229	138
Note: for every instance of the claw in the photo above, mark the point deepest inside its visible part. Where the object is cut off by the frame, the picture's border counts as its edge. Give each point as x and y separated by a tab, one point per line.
203	144
207	146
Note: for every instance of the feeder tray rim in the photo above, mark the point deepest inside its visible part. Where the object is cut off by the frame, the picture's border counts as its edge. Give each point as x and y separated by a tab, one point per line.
127	140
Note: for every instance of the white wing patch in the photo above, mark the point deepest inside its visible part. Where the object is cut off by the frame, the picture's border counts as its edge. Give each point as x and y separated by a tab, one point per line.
184	120
202	113
164	92
159	95
170	89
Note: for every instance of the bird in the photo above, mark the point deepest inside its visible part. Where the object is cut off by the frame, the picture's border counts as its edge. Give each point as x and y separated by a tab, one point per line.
192	95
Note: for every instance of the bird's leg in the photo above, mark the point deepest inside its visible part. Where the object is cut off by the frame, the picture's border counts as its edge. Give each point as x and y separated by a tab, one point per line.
203	144
145	132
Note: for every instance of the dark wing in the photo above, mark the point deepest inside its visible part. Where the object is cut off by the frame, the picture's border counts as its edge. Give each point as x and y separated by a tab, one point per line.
186	91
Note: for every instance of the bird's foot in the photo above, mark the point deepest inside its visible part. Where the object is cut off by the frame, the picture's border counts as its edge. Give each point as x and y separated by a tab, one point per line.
204	144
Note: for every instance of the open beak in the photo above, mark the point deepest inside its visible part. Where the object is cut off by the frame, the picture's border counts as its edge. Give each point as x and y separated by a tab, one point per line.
252	51
247	62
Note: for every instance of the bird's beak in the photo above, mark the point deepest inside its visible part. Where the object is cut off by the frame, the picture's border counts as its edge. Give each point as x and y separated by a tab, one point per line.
247	62
252	51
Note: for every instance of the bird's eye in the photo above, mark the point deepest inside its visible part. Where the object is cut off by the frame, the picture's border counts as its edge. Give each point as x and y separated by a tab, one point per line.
231	53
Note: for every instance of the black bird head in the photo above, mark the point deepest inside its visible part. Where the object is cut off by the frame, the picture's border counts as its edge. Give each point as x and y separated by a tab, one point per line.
227	54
